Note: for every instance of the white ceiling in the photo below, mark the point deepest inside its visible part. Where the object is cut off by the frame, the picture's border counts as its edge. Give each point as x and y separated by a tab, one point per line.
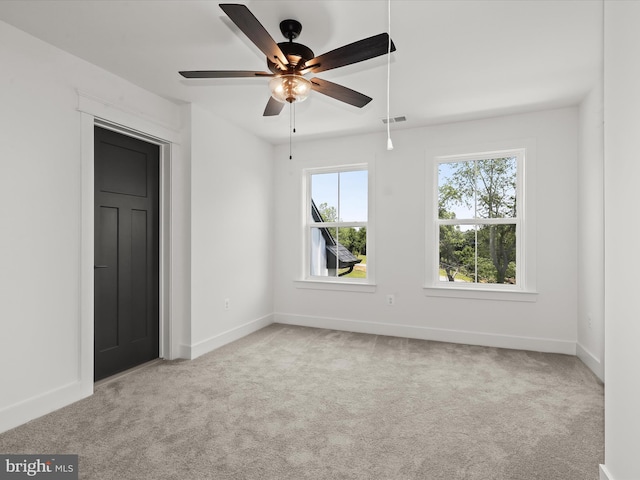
455	60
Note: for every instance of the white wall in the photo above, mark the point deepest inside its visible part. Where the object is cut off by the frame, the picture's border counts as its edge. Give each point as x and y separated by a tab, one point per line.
591	232
42	364
622	175
549	324
232	232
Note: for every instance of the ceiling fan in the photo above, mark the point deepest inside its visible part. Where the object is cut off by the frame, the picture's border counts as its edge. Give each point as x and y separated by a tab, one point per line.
289	62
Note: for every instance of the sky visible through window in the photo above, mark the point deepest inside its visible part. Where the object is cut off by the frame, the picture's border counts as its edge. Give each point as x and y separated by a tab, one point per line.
353	187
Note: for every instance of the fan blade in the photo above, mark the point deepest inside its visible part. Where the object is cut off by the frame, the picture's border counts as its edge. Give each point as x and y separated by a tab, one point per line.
253	29
223	74
339	92
273	108
353	53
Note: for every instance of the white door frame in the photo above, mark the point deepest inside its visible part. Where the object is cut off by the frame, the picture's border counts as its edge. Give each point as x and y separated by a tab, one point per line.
97	113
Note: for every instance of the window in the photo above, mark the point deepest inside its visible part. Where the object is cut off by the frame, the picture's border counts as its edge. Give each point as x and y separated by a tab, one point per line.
479	220
337	237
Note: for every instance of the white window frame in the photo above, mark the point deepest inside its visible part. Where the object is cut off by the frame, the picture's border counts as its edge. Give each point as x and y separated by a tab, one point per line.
524	290
337	283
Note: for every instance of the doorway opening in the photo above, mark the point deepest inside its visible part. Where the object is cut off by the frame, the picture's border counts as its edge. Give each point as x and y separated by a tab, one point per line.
166	147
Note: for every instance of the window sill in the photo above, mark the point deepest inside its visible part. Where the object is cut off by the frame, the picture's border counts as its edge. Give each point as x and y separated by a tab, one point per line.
336	285
482	294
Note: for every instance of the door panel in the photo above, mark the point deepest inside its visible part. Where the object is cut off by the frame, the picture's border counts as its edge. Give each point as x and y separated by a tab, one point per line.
106	304
126	252
125	172
139	255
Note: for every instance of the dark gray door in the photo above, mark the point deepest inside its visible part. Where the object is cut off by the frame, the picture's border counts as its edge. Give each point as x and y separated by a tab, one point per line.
126	267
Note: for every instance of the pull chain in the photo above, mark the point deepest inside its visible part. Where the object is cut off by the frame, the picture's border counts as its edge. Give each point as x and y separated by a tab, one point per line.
292	126
389	142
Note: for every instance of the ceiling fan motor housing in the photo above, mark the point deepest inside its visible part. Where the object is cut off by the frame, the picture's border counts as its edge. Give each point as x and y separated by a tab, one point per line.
296	53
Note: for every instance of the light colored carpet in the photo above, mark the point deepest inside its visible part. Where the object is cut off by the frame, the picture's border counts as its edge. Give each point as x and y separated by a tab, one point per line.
300	403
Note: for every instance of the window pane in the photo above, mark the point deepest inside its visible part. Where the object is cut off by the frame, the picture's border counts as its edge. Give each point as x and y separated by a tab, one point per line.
456	190
478	254
353	196
338	252
496	187
497	254
457	253
353	257
324	194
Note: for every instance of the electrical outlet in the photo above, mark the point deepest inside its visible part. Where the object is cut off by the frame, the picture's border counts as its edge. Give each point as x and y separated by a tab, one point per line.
227	304
590	321
391	300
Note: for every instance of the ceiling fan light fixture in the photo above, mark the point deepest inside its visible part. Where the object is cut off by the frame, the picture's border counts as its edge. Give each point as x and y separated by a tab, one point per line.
290	88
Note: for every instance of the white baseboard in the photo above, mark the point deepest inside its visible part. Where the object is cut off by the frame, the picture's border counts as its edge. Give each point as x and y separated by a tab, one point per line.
604	473
427	333
32	408
217	341
590	360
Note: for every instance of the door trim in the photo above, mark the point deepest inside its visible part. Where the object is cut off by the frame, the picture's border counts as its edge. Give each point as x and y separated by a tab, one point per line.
86	330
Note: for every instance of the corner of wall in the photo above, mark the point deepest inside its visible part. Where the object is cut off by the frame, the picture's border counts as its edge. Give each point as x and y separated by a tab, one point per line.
220	340
591	361
591	224
604	473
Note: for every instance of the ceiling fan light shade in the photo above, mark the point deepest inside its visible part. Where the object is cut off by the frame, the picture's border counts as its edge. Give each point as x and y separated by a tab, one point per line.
290	88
